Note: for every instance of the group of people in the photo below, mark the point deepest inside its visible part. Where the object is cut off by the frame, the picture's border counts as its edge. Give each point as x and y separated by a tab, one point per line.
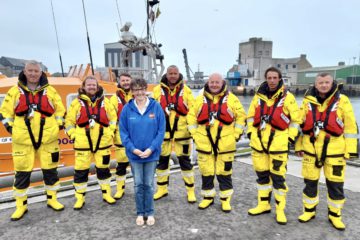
146	130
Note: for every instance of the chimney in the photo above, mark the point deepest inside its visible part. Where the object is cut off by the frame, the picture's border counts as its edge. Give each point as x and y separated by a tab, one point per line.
341	64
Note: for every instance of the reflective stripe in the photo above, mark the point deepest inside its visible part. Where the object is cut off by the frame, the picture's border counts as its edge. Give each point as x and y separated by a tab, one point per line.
351	135
336	205
104	181
6	120
59	118
279	192
69	128
20	194
228	193
80	187
264	187
163	173
192	126
187	173
239	126
120	178
208	193
311	200
295	125
250	120
112	123
52	187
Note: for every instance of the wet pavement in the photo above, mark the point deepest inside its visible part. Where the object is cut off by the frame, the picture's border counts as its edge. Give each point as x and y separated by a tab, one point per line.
177	219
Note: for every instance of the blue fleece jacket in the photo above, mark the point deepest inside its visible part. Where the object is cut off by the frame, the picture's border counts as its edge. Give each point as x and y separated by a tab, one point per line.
142	131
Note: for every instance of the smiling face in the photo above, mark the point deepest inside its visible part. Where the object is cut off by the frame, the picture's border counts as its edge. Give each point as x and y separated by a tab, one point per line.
324	84
32	73
90	87
172	75
125	82
139	93
215	83
272	79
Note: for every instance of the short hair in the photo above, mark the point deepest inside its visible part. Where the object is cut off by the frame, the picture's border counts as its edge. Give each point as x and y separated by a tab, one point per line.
33	62
323	74
138	82
172	66
124	75
87	78
273	69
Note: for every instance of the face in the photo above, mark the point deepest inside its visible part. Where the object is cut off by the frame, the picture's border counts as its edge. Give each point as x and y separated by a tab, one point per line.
215	84
272	79
139	93
125	82
91	87
172	75
324	84
33	73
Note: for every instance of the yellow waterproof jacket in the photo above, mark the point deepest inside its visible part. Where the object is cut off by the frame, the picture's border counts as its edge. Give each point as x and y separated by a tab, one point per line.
259	139
347	143
20	133
229	133
181	132
79	133
114	100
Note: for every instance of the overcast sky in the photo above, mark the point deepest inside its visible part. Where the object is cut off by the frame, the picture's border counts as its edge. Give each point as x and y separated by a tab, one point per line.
327	31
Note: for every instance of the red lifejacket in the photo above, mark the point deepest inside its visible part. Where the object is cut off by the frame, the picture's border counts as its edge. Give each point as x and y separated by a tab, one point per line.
121	102
175	102
38	102
217	111
327	120
273	115
96	113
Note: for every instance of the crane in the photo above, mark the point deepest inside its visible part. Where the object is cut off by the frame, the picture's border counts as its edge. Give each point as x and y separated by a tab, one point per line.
188	69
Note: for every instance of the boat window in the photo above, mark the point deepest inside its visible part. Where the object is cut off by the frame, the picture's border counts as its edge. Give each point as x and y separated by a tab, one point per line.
69	98
2	97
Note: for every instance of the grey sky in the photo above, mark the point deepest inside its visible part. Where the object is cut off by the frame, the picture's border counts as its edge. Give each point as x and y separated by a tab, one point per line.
326	30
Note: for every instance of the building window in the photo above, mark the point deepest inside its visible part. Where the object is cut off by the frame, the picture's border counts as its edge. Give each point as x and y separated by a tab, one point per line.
137	59
279	65
286	66
109	60
260	53
294	65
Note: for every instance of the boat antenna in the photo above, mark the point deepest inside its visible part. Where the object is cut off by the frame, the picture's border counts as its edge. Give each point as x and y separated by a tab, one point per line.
147	21
57	39
88	39
117	7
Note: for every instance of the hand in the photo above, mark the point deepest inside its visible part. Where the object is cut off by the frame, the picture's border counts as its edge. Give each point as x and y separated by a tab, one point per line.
137	152
299	153
146	153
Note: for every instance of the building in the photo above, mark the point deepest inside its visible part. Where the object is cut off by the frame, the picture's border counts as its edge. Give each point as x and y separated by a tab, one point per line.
16	65
342	73
255	56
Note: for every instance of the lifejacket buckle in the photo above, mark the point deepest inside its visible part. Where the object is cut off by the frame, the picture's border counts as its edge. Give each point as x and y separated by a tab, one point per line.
212	118
91	123
169	107
32	109
264	120
320	124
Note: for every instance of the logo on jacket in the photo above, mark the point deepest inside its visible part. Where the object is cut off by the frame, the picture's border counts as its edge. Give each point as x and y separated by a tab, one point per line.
152	115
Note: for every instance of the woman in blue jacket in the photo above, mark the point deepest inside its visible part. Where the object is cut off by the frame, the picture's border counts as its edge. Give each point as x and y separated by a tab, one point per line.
142	130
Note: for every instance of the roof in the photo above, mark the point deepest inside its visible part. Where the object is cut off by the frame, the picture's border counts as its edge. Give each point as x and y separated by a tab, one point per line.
323	69
288	60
